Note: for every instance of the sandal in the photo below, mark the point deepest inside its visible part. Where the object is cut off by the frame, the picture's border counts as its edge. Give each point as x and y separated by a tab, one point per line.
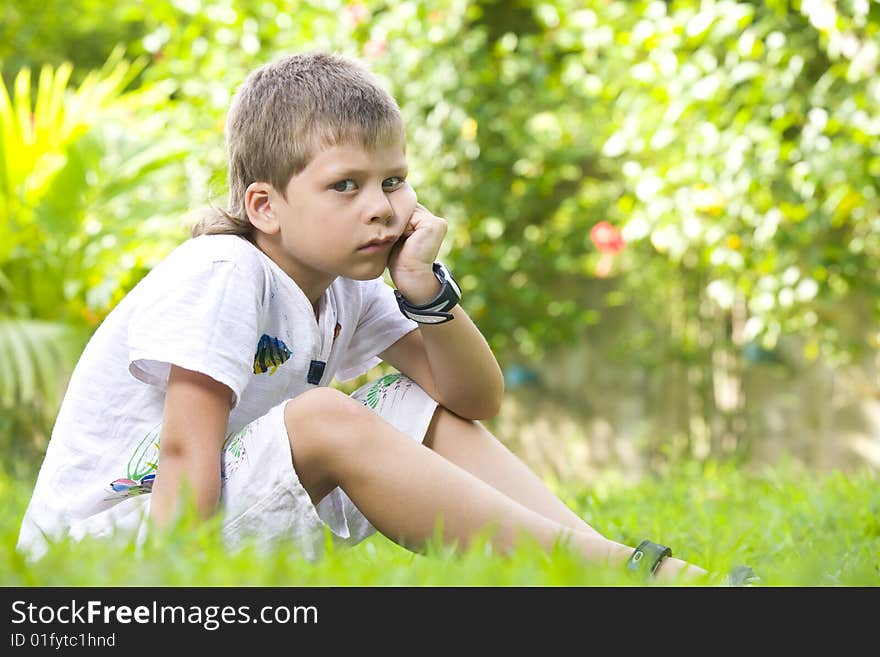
648	556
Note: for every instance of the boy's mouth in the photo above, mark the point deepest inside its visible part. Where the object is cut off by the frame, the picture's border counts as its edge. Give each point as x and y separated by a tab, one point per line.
378	244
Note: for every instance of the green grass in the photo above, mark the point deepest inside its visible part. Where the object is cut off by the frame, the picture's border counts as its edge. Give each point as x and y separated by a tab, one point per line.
794	527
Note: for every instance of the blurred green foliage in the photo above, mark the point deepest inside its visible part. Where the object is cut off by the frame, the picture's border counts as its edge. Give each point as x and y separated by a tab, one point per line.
734	144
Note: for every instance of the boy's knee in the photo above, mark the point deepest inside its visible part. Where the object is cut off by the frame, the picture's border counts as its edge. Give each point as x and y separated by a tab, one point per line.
317	423
322	415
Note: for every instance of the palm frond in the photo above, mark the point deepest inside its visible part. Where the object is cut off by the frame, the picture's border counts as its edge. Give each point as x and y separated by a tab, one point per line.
34	135
36	357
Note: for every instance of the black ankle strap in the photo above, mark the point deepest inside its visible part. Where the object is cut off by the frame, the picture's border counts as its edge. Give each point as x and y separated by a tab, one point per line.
647	557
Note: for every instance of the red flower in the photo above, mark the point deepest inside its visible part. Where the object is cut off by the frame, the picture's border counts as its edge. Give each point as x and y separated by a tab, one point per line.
356	13
607	238
375	48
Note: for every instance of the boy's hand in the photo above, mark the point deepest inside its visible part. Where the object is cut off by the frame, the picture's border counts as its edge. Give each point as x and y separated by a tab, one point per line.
411	260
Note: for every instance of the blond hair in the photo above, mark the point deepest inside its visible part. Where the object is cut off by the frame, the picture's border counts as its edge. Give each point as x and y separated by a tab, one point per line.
286	111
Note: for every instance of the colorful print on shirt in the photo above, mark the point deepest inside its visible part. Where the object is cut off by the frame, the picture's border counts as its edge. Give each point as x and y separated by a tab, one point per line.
271	353
144	463
141	469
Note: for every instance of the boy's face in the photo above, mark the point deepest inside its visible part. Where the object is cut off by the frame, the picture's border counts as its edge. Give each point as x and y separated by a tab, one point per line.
346	197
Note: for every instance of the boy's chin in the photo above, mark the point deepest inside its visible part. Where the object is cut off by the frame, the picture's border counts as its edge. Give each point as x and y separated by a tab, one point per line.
368	271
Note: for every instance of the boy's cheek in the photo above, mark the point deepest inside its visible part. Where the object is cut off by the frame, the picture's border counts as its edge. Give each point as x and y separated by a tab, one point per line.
406	202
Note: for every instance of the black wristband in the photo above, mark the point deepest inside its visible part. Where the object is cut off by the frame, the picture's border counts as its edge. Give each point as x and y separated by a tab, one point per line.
647	557
436	311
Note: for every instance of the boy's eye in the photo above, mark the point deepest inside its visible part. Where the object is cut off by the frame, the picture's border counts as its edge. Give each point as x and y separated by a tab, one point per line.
347	185
393	182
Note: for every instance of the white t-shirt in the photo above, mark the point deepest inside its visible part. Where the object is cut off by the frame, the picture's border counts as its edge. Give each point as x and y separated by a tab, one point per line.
216	305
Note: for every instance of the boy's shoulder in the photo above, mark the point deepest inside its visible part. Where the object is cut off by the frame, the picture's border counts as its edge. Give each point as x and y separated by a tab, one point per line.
218	247
201	251
193	259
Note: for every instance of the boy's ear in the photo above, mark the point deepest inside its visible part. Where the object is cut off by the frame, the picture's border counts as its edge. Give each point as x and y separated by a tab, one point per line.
258	200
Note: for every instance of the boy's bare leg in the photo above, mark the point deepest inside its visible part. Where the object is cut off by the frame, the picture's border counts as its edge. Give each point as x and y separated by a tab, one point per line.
471	446
402	487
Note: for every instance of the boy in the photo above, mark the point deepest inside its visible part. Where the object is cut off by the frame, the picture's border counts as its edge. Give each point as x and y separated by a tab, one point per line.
212	374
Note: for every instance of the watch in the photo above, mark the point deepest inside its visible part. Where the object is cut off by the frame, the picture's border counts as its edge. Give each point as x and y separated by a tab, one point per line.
438	310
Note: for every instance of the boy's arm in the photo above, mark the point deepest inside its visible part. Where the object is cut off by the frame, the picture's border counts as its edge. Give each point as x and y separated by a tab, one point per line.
454	364
193	430
452	360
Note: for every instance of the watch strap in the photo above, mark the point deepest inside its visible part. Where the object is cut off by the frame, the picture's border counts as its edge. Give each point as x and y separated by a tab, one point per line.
438	310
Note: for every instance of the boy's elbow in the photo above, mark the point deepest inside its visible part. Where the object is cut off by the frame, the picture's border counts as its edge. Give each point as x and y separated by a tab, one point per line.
493	403
473	413
489	412
485	408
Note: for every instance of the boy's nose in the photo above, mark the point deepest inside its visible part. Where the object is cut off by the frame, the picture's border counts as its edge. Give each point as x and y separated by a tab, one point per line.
379	209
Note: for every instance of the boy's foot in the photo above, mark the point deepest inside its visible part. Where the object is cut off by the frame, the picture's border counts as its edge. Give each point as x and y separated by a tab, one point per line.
655	561
673	569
